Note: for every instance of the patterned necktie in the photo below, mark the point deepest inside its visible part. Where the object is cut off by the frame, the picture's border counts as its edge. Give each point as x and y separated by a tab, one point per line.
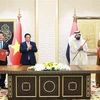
0	45
28	44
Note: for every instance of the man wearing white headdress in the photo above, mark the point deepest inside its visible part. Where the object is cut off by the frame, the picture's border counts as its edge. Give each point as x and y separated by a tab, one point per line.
76	45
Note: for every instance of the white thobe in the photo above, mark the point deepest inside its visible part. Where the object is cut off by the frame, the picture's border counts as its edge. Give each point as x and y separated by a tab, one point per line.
81	58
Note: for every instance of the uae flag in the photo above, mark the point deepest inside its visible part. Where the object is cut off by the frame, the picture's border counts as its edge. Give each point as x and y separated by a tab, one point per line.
15	55
73	29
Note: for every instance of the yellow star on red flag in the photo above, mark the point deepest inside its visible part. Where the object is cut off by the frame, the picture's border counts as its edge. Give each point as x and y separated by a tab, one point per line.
16	47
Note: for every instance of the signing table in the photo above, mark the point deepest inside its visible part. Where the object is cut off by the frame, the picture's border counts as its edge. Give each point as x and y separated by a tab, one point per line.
35	85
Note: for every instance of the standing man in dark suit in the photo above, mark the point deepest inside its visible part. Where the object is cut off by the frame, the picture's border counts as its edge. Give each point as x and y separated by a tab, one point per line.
28	49
3	45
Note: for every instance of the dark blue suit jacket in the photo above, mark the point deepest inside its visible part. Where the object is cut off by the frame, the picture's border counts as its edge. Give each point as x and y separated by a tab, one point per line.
5	46
25	53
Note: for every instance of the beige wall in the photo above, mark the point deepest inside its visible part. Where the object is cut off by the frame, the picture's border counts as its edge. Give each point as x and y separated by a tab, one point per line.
46	30
46	24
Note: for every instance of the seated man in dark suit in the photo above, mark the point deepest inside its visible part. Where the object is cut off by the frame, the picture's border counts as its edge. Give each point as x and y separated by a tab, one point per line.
3	45
28	49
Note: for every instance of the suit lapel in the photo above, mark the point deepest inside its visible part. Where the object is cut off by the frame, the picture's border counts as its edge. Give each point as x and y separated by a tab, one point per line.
30	42
25	45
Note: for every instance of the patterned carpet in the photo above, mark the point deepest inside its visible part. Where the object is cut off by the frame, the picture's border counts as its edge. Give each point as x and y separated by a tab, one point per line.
3	94
95	94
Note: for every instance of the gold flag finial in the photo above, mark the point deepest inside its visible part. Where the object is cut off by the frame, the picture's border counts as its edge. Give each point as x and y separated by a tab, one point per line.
75	17
19	15
74	13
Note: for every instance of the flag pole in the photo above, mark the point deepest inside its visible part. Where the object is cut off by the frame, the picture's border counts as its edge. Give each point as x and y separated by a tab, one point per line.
73	29
19	15
75	17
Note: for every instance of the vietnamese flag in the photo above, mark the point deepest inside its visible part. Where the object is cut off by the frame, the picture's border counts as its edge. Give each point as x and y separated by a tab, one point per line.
15	55
73	29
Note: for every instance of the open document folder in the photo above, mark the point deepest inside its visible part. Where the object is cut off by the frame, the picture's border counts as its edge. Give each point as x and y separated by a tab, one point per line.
3	54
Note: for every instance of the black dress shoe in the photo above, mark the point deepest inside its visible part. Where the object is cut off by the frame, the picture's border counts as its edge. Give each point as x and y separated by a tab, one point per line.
3	87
